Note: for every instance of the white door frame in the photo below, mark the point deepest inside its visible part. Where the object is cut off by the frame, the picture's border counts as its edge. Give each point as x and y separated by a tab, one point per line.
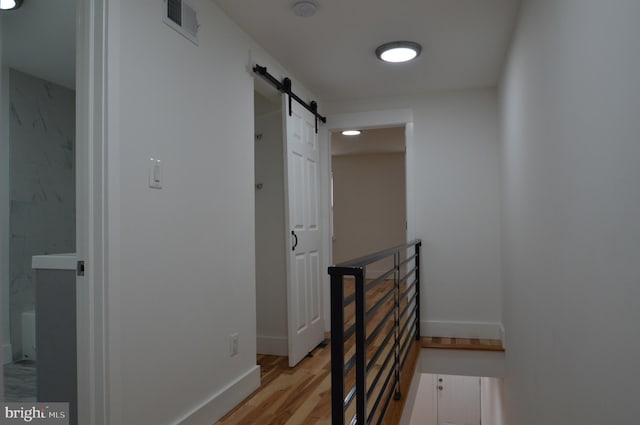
90	210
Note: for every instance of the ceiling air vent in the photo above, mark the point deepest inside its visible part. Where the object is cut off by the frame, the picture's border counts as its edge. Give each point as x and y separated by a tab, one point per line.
182	17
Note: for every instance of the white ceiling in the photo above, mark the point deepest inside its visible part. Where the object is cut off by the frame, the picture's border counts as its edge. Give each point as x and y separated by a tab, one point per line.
464	43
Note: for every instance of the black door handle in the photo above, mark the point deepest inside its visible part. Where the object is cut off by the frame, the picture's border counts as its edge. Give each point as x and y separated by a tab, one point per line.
295	242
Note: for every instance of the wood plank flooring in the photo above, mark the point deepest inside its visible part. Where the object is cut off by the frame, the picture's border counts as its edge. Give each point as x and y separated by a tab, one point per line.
300	395
473	344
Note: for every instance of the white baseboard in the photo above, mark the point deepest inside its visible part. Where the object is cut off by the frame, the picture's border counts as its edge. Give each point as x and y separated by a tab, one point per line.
484	330
273	345
224	400
7	354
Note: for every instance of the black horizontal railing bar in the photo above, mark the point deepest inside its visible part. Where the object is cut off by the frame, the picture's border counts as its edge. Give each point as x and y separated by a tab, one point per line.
350	331
407	260
379	398
341	270
378	280
372	258
404	326
379	327
349	299
383	367
410	326
349	364
406	353
380	303
408	306
403	278
409	287
383	413
379	351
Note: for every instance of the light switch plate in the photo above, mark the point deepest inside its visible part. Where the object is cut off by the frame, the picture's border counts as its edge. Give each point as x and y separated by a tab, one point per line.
155	173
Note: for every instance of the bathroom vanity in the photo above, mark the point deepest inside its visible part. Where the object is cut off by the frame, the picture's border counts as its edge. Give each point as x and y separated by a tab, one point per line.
56	370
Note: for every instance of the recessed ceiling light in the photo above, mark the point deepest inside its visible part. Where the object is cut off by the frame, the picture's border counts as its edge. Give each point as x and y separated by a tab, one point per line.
305	8
10	4
398	51
351	132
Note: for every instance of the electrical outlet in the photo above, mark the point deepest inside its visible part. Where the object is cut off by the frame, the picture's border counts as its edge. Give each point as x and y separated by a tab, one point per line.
233	344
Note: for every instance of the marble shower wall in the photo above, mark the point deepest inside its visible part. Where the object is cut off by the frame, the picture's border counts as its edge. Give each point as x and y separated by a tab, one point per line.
42	184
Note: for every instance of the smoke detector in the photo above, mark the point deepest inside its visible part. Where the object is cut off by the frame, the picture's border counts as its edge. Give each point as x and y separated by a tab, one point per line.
305	8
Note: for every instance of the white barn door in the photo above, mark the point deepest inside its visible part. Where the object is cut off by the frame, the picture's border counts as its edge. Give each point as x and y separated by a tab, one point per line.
304	274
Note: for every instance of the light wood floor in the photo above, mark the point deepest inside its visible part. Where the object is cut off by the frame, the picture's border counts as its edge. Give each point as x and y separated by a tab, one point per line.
473	344
302	395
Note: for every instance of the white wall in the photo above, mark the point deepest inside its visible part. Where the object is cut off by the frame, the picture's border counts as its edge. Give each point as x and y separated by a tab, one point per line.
181	266
271	277
453	180
369	206
570	109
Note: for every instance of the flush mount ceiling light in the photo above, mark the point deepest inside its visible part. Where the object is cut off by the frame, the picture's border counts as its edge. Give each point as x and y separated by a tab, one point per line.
351	132
305	8
10	4
398	51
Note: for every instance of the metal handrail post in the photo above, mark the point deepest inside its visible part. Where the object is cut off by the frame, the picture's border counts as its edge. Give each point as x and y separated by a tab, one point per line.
361	348
396	259
417	261
337	349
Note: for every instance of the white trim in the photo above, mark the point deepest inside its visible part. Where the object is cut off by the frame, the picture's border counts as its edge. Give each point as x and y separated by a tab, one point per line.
450	329
362	120
272	345
7	353
90	210
224	400
372	119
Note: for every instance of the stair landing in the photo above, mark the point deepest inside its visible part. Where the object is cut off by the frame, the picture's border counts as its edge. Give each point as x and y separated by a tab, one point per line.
473	344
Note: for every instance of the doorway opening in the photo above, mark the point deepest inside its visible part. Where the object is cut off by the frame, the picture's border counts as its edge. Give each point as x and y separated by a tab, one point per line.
271	263
458	400
369	203
289	227
38	191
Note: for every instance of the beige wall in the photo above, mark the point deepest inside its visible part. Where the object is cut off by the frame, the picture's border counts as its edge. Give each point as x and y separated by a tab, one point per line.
369	210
